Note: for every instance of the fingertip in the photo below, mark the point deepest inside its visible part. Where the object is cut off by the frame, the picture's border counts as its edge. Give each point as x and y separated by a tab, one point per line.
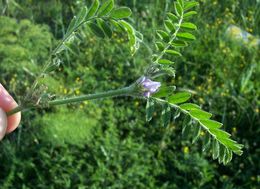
3	123
13	122
7	103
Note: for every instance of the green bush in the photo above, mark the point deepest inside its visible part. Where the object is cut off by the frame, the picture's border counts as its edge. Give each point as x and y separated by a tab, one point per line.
107	144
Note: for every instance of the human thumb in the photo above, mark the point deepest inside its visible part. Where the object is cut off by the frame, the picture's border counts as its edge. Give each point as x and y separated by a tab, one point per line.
3	123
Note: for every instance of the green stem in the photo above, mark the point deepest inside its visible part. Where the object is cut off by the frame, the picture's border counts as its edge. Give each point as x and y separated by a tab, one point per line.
54	52
126	91
174	35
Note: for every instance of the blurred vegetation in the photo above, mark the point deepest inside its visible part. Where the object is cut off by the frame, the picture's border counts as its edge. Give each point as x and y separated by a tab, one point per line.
107	144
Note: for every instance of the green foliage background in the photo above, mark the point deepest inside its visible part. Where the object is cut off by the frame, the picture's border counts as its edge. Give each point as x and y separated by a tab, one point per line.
107	144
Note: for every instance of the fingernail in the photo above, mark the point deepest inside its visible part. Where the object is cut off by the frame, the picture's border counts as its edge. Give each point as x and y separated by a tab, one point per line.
3	123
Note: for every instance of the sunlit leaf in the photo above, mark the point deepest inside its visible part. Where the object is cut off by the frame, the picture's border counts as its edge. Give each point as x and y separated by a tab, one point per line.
159	46
181	2
119	13
172	17
173	52
169	26
106	8
179	97
186	36
190	4
165	62
189	14
178	9
200	114
93	9
164	91
211	124
189	106
178	43
188	25
131	35
163	35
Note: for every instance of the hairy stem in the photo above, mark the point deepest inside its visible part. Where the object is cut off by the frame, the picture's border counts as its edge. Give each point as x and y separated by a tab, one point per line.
54	52
126	91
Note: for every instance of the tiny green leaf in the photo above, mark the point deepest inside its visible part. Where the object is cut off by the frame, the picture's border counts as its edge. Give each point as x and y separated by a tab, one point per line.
200	114
178	43
165	62
215	149
189	14
189	5
166	115
106	8
150	105
189	106
172	17
181	2
173	52
159	46
178	9
189	26
228	156
82	15
164	92
163	35
196	133
93	9
96	30
133	42
220	134
206	142
222	153
179	97
211	124
169	26
107	30
177	114
71	25
186	36
120	13
186	127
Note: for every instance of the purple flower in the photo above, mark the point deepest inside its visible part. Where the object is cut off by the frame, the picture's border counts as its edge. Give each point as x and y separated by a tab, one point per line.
149	86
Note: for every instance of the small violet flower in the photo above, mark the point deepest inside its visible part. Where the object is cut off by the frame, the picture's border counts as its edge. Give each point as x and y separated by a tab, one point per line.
149	86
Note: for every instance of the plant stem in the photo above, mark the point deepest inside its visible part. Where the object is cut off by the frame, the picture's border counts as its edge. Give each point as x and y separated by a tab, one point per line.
126	91
174	35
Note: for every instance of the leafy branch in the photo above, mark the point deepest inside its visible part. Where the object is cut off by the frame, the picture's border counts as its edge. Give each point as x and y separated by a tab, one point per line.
177	34
101	19
197	119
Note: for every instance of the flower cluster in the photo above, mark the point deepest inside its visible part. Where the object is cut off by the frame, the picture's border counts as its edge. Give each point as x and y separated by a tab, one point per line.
148	86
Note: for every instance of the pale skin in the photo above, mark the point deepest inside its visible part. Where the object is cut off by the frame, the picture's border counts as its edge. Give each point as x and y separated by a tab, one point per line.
7	103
